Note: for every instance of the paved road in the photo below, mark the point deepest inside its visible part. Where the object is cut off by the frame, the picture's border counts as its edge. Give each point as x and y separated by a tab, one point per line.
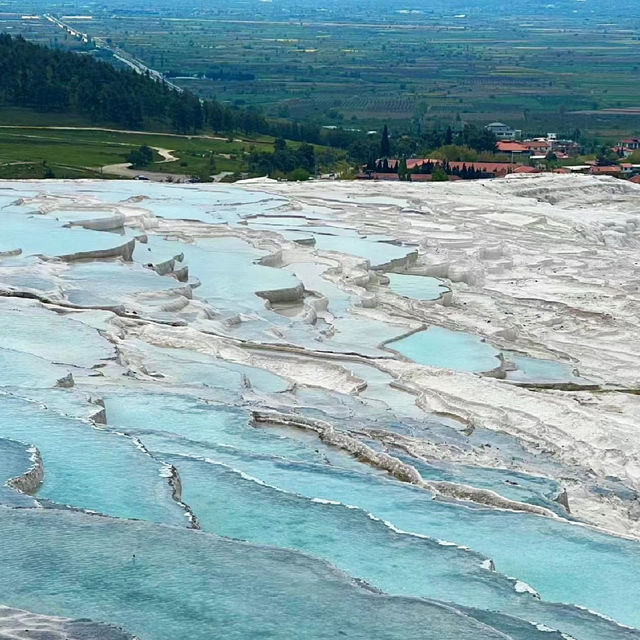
117	52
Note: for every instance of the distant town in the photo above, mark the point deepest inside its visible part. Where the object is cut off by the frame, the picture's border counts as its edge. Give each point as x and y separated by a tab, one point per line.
525	155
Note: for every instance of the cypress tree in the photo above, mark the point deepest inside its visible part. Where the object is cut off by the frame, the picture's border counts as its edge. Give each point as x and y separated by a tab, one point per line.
402	169
385	148
448	136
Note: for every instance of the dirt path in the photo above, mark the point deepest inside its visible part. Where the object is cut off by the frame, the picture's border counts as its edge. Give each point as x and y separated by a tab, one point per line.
167	155
200	136
125	170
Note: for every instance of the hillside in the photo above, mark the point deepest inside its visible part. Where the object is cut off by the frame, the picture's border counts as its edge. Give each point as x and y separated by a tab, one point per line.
57	81
52	81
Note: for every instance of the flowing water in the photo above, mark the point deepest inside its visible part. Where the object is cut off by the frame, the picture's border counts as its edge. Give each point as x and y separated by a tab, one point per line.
166	508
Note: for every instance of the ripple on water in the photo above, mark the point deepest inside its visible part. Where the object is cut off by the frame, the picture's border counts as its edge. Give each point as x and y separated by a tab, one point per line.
267	486
187	584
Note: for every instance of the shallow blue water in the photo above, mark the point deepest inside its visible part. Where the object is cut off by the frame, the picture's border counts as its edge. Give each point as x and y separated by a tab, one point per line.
184	584
106	283
28	328
211	260
460	351
558	556
438	347
14	462
310	274
208	203
26	273
205	422
537	370
418	287
238	507
37	234
91	468
24	369
194	368
508	483
348	241
192	410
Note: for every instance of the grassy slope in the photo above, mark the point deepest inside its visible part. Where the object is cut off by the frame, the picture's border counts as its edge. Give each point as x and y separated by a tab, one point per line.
76	153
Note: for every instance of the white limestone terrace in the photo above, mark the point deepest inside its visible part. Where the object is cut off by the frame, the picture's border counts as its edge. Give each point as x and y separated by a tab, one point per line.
246	342
16	624
544	266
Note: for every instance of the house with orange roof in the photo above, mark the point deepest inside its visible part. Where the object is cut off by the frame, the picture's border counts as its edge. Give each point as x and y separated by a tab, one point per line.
486	169
627	146
512	146
613	170
538	147
632	144
455	170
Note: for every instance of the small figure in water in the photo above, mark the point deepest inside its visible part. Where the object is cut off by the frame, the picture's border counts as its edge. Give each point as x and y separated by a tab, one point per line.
324	457
133	558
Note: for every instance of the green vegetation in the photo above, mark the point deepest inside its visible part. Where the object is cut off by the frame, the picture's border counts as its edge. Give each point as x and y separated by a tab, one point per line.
294	164
439	175
26	153
140	157
361	65
40	170
76	153
325	79
50	81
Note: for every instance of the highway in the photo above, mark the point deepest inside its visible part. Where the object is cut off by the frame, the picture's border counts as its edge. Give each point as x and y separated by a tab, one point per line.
117	52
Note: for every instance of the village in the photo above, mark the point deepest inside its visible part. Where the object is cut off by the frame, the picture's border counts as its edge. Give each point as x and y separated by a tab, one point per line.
533	155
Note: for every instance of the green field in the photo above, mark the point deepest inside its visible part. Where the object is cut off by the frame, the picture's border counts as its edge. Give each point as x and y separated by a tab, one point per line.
27	151
361	65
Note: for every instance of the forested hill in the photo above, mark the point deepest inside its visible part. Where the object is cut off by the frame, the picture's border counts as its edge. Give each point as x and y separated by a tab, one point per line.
52	80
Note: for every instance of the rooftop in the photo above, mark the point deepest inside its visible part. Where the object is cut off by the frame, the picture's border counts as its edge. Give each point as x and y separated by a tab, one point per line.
615	169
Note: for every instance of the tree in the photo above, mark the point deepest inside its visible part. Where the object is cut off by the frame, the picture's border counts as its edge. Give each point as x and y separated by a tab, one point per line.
477	138
439	175
634	158
140	157
385	147
606	158
298	175
551	161
307	157
403	172
455	153
448	136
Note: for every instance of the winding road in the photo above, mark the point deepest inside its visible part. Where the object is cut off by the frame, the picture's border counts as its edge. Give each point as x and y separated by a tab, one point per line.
125	170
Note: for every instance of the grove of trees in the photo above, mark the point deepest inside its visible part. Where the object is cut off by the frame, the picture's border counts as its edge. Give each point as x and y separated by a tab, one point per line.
50	80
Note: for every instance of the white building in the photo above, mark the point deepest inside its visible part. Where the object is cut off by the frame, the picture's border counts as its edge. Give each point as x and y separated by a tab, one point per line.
503	131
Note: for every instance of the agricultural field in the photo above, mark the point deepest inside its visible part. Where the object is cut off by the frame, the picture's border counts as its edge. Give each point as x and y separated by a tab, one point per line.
358	65
29	151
